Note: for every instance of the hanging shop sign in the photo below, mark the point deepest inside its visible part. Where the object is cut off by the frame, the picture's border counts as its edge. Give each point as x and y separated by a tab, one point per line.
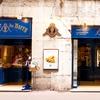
14	28
88	32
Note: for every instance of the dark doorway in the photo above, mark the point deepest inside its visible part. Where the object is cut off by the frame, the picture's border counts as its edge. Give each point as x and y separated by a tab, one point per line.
88	59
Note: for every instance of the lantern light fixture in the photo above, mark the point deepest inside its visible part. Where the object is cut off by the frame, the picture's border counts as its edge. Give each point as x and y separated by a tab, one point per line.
19	17
84	26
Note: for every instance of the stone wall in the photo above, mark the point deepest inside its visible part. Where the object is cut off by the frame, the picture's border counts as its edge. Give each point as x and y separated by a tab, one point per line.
65	13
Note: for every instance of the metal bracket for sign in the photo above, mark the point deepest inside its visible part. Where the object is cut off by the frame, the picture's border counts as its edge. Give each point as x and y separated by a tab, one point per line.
27	86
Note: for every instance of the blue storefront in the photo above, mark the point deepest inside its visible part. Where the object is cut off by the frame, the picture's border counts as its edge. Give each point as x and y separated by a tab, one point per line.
85	55
15	41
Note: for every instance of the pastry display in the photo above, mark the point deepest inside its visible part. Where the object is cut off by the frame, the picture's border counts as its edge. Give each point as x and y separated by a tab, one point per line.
21	55
4	64
50	59
14	56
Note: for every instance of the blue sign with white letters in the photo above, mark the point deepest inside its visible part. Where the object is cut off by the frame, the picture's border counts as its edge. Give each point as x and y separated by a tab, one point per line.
89	32
13	28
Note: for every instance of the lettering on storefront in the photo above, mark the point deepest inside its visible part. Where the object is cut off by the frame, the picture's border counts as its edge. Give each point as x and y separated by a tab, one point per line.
24	29
5	27
81	32
90	32
13	28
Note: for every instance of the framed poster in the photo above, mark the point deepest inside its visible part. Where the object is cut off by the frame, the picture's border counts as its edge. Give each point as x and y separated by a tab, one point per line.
51	58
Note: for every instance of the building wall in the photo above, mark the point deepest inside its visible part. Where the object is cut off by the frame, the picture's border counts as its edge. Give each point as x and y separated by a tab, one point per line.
65	13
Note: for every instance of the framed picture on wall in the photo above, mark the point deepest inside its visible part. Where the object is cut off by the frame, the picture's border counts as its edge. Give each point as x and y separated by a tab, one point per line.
51	58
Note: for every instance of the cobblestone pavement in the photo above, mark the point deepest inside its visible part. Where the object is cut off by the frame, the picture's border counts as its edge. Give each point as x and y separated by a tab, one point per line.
49	95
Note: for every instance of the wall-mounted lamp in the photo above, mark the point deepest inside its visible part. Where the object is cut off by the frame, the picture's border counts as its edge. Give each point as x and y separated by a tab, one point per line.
25	20
84	26
19	17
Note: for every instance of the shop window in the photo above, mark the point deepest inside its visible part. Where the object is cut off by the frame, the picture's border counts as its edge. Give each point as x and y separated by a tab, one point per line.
14	56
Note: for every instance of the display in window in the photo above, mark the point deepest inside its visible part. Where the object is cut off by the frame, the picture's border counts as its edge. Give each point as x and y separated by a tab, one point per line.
4	64
84	55
14	56
21	55
18	60
98	57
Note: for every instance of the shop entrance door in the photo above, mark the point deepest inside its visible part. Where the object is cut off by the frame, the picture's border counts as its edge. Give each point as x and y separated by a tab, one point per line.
85	60
88	60
85	54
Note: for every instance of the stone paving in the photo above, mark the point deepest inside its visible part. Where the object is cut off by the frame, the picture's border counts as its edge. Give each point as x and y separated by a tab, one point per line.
49	95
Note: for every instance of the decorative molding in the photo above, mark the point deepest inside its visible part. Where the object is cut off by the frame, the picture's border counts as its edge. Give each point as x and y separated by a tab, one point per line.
52	31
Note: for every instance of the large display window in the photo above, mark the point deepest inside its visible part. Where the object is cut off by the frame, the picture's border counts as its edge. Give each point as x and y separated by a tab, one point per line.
13	56
15	48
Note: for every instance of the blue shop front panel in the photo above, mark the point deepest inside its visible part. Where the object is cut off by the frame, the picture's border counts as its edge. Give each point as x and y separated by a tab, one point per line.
13	75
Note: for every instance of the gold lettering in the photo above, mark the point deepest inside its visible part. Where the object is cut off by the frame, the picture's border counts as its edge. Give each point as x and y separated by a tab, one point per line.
5	28
10	25
20	27
24	29
16	25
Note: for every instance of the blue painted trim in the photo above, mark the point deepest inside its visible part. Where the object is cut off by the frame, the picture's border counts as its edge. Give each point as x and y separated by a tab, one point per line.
72	61
74	86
